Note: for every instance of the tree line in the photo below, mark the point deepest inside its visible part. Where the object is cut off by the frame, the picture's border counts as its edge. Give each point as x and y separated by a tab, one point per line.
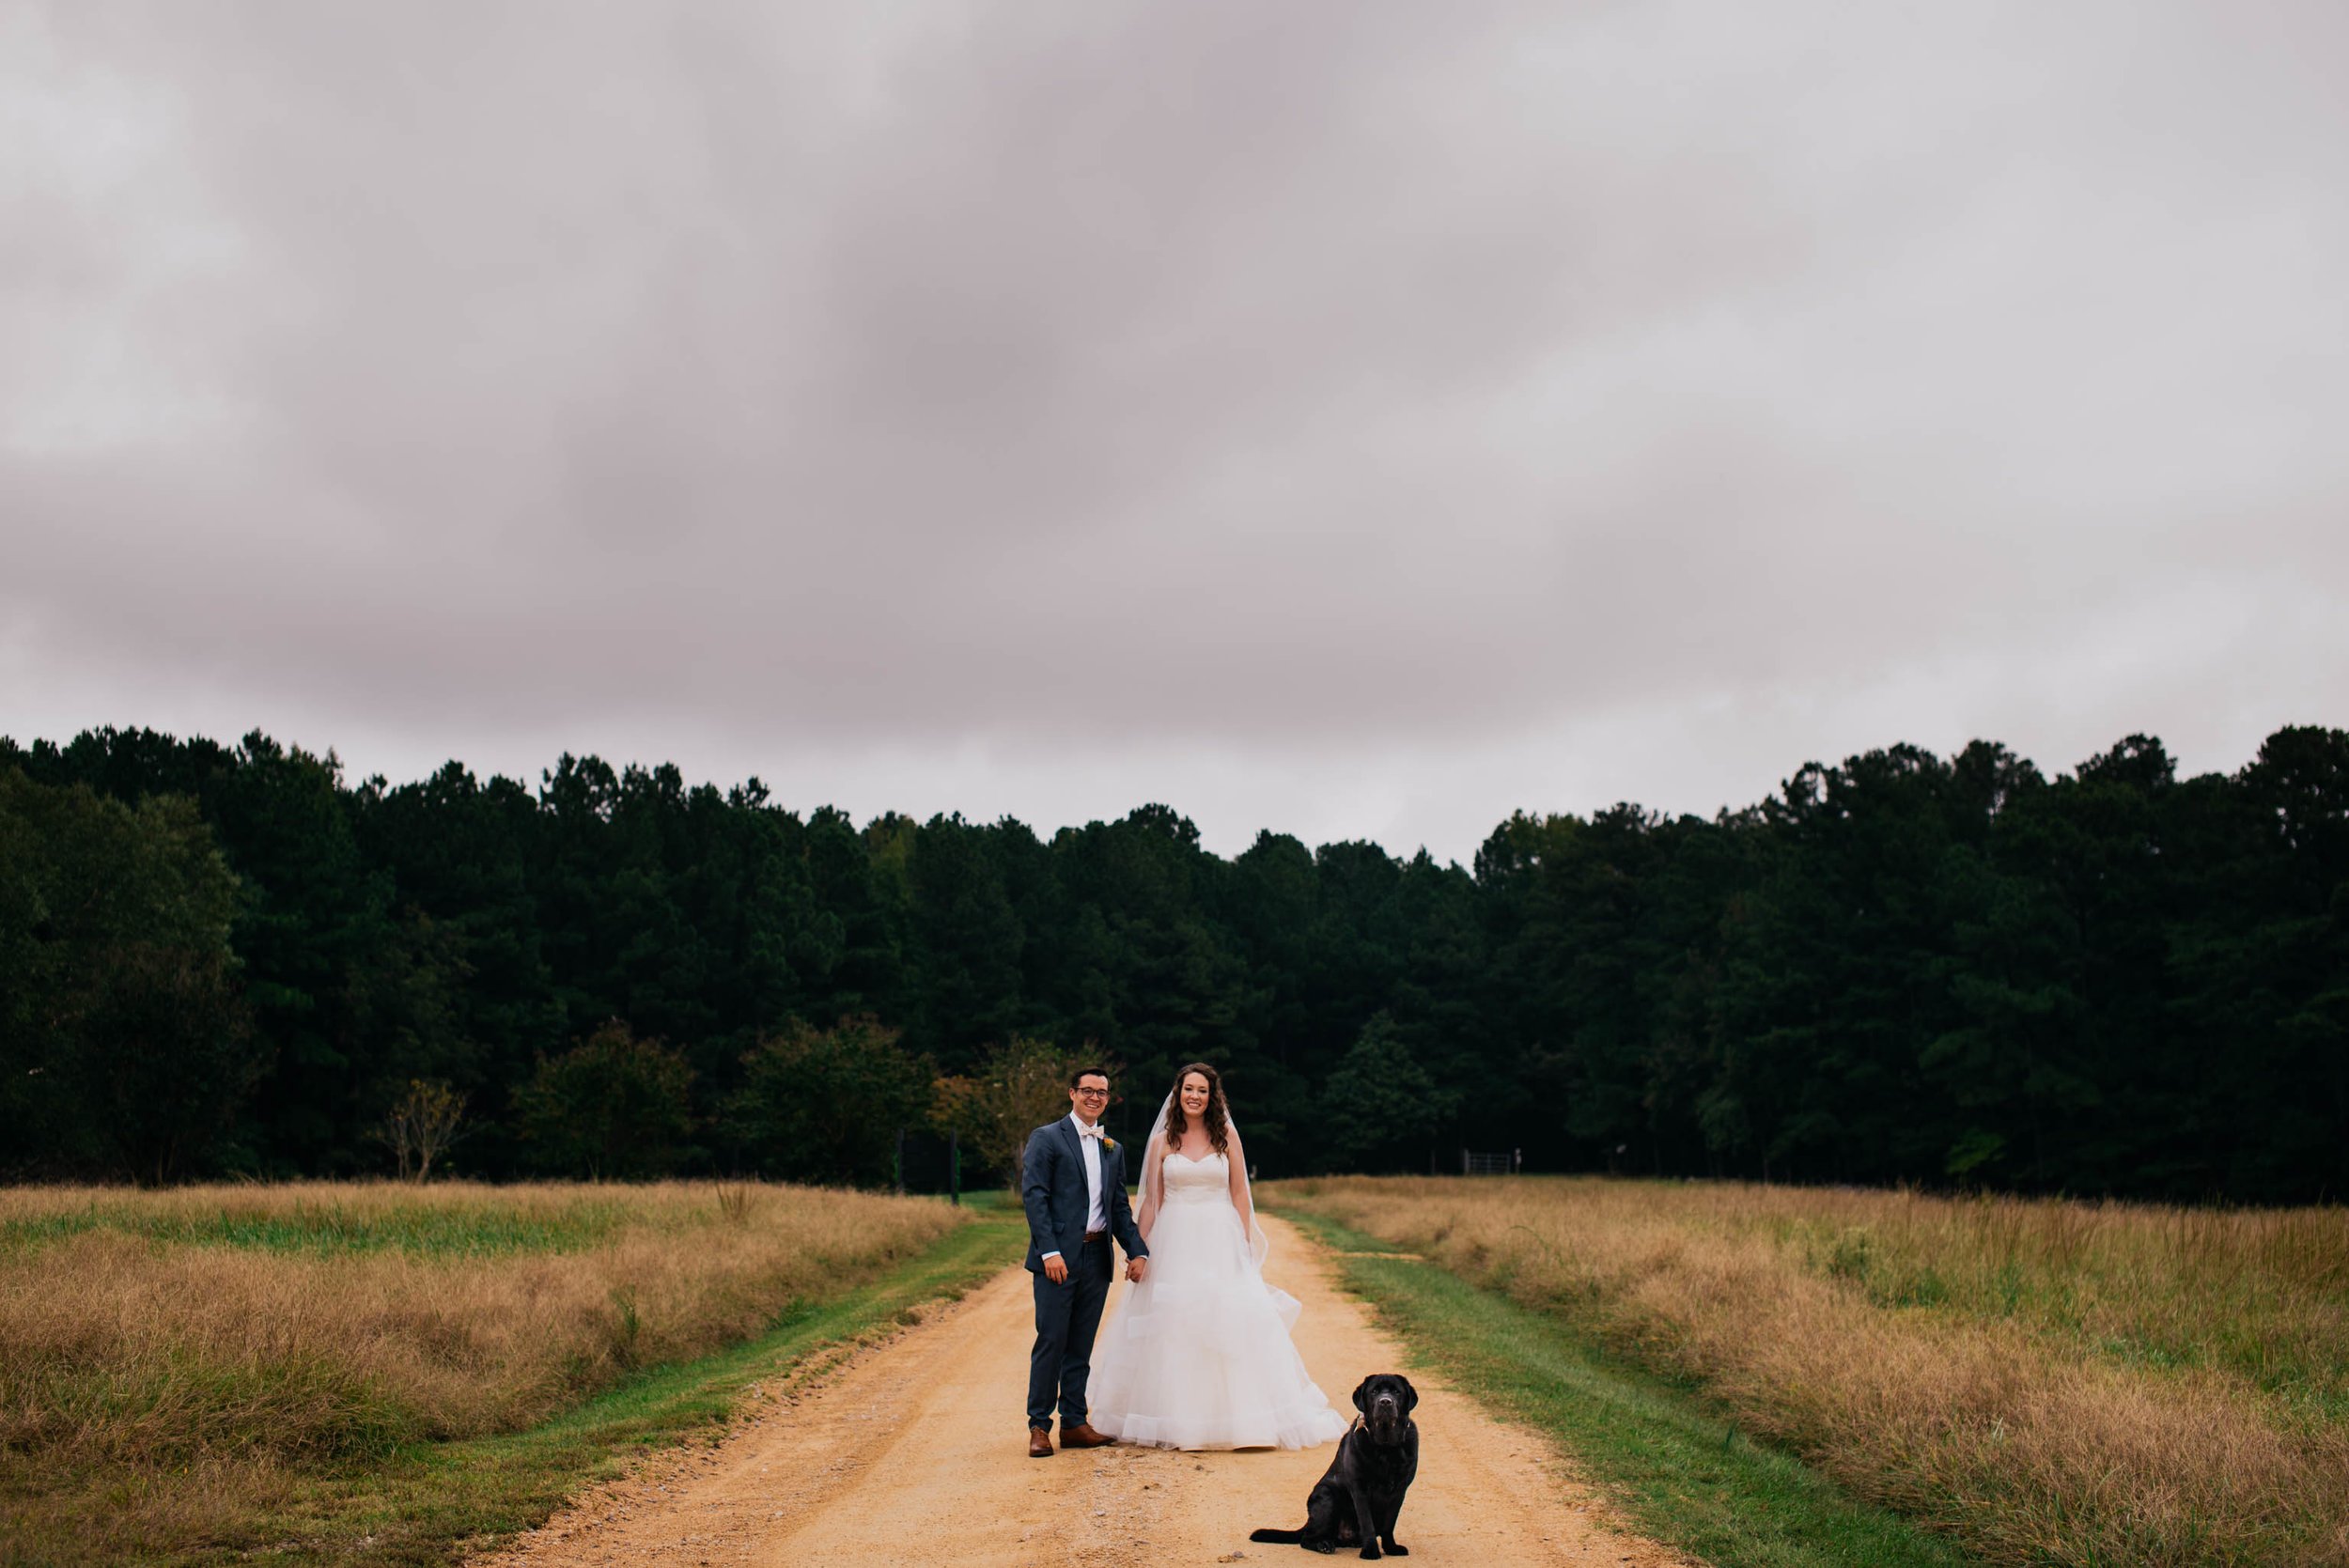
1956	970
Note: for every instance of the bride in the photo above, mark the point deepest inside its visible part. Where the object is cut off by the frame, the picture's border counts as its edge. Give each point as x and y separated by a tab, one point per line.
1199	1353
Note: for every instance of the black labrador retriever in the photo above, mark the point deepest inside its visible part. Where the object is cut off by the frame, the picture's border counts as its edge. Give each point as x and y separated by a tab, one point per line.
1355	1501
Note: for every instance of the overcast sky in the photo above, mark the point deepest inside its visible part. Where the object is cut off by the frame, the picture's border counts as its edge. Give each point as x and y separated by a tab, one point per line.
1358	420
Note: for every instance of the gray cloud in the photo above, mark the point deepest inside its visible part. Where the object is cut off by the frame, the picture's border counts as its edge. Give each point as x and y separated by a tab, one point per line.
1349	419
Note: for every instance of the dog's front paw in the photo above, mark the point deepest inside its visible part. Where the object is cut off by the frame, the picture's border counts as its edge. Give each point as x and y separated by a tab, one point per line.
1396	1548
1371	1551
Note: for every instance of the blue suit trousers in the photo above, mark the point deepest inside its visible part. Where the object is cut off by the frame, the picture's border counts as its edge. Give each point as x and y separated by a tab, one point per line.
1067	1315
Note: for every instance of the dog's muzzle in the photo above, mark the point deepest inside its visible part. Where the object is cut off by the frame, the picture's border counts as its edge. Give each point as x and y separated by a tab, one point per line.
1384	1419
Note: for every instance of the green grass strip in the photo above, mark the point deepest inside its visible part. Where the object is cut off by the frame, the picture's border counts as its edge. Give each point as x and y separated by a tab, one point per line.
1678	1469
431	1234
434	1504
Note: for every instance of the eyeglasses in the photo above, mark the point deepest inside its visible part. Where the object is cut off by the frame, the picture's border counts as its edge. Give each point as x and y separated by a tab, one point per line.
1092	1093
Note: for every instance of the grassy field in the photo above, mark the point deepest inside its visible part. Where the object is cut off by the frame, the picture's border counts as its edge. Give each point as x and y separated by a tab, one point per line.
2042	1382
1677	1471
185	1375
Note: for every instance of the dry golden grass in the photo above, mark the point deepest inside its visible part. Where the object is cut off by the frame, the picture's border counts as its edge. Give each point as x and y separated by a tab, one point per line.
2057	1382
190	1350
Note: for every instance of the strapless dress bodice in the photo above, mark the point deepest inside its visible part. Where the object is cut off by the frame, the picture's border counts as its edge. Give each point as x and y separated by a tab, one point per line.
1192	1181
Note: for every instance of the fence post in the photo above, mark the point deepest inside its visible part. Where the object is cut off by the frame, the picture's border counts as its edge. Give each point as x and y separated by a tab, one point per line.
1464	1163
897	1164
954	1167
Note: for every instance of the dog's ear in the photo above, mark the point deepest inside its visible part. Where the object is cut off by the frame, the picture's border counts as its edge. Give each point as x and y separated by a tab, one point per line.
1410	1395
1361	1396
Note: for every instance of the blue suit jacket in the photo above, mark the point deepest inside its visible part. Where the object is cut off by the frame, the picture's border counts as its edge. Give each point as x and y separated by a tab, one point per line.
1053	1190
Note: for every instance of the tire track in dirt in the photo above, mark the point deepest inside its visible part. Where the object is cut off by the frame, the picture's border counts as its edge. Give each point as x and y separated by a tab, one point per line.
915	1451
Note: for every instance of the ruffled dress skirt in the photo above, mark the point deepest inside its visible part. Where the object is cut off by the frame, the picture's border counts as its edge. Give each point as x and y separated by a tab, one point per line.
1198	1356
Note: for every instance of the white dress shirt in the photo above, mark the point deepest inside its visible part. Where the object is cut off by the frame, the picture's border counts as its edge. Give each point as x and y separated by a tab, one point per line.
1089	1140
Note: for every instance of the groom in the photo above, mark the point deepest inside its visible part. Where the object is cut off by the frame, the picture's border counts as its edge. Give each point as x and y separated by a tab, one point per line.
1072	1180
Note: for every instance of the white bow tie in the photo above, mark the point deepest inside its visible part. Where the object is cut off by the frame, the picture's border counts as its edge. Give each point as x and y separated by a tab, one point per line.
1092	1132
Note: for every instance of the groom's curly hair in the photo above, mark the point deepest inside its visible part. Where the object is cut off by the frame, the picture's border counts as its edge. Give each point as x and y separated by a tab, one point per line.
1219	1122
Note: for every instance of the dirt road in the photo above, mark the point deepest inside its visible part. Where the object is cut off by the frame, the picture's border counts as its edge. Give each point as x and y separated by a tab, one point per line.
916	1452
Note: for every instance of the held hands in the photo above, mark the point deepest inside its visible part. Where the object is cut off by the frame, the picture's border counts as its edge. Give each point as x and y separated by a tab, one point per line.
1056	1269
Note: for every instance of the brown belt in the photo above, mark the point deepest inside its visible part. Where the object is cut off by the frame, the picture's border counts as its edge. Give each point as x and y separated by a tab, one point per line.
1092	1237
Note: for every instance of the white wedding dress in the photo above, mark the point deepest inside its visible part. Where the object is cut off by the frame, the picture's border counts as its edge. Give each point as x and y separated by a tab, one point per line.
1197	1355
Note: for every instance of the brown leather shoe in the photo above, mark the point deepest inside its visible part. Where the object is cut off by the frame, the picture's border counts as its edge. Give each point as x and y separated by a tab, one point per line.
1081	1436
1039	1442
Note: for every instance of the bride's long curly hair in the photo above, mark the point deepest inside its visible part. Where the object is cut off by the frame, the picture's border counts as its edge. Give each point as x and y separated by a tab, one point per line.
1218	1122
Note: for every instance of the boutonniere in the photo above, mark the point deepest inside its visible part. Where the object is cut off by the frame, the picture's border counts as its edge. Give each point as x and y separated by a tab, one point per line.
1108	1143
